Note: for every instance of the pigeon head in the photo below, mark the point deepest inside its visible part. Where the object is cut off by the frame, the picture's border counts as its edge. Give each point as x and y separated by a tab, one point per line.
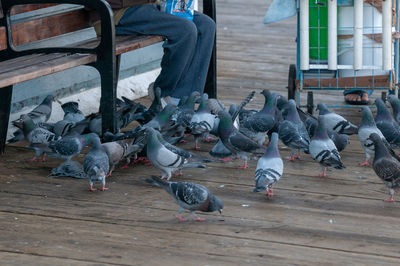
320	131
270	103
152	138
225	123
215	204
395	103
375	138
323	110
366	117
232	109
28	124
383	112
70	107
292	114
192	99
49	99
266	93
203	104
90	138
281	102
272	149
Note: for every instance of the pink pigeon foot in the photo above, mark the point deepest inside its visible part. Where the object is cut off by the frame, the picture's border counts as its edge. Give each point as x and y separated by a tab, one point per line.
228	159
244	166
180	219
103	188
270	192
208	140
34	159
109	174
198	219
44	158
364	163
196	147
322	175
178	173
91	189
182	141
389	199
297	157
124	166
291	159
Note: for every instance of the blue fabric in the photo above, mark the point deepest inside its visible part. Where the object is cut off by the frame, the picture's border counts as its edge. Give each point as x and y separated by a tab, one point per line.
187	47
280	10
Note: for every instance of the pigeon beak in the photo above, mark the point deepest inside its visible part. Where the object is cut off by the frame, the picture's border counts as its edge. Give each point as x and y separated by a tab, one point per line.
220	211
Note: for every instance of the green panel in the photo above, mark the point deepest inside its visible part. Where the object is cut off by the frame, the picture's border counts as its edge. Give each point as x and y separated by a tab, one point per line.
318	19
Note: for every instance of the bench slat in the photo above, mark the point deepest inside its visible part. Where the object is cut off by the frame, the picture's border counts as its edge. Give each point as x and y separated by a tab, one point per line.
44	68
26	61
128	43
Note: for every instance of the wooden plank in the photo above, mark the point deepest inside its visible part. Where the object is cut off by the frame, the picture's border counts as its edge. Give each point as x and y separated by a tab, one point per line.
128	43
45	68
347	82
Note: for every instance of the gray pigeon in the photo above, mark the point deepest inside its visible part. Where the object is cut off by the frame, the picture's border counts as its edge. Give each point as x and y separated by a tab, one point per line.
184	113
162	121
190	196
395	103
70	146
269	167
340	140
70	168
202	122
72	112
257	126
118	150
385	166
336	122
39	114
38	138
165	158
96	165
293	132
366	128
387	125
233	140
323	150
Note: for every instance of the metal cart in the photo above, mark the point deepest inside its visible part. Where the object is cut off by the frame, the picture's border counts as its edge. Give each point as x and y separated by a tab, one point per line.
344	44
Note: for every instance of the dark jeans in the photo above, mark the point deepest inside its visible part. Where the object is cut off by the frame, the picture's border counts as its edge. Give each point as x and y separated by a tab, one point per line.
187	47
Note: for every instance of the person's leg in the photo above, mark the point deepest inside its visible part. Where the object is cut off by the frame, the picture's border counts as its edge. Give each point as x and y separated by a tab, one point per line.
195	75
180	35
357	96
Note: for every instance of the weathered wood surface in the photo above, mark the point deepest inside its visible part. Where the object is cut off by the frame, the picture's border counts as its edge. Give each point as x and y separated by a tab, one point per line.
340	219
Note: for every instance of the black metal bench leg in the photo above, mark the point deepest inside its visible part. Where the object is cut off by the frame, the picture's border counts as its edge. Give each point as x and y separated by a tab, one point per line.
211	81
5	108
118	65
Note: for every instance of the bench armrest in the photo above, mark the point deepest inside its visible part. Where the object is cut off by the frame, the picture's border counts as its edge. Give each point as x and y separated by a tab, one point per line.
107	42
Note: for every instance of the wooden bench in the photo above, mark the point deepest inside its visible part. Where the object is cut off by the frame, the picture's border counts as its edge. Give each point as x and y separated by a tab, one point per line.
18	65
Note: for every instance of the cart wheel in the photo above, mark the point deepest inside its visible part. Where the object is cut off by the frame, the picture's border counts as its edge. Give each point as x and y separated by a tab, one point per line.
292	82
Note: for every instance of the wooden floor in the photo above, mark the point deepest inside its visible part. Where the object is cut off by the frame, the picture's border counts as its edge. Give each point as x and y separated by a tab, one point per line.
340	219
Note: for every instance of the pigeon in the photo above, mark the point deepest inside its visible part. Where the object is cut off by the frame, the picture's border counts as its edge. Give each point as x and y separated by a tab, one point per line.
234	140
336	122
387	125
70	146
293	133
202	122
269	167
39	138
323	150
340	140
385	166
69	168
166	158
395	103
366	128
72	112
189	196
183	115
40	113
96	165
259	124
118	150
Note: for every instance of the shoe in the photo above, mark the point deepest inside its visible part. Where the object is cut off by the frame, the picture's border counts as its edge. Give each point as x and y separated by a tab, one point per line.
150	91
360	93
169	100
